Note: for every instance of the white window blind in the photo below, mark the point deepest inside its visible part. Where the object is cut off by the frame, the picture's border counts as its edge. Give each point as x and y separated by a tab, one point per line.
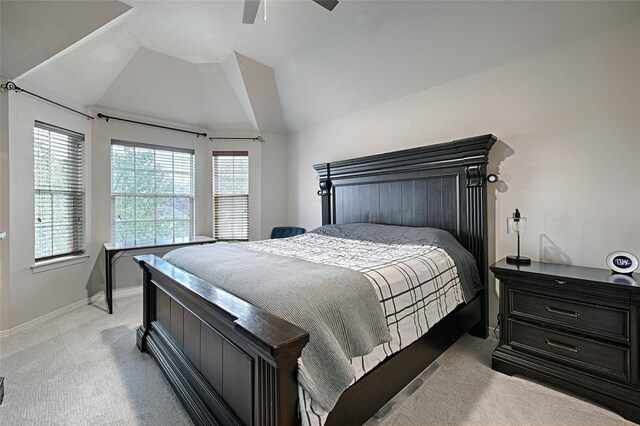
152	192
59	191
231	195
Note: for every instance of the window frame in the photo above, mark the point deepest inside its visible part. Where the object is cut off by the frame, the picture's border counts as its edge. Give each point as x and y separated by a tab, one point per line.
77	238
215	154
154	194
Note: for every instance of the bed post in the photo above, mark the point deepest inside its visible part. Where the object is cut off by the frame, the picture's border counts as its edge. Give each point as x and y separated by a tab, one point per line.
324	172
229	362
148	309
476	195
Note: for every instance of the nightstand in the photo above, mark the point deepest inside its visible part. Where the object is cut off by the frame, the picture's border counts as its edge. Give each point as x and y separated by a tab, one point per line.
574	327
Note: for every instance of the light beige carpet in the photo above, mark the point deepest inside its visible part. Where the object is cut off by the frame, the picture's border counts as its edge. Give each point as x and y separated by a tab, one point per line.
464	390
84	369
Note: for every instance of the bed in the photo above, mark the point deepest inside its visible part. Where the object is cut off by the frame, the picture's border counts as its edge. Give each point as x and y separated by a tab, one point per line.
231	362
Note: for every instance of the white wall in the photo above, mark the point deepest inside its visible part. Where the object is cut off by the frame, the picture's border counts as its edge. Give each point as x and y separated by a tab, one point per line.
36	294
569	124
274	183
4	210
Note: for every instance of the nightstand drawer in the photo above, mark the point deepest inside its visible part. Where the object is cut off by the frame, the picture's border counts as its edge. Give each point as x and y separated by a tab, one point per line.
585	317
588	355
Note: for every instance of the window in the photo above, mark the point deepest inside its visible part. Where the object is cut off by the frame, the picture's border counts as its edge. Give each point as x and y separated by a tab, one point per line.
231	195
59	191
152	192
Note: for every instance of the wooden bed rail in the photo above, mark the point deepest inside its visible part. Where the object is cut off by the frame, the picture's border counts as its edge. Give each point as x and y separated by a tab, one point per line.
247	372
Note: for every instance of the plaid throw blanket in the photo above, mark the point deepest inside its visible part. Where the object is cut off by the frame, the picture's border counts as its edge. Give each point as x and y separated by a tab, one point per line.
407	278
416	285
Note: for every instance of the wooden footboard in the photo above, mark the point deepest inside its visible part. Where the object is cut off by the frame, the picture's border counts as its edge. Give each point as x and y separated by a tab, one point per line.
233	363
229	361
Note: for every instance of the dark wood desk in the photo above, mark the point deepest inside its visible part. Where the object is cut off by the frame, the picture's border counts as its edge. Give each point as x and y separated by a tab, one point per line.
112	249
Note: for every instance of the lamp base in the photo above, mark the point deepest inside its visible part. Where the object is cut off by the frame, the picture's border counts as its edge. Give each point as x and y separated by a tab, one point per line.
519	260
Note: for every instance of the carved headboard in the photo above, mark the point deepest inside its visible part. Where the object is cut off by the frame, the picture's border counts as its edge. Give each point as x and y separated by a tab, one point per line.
439	186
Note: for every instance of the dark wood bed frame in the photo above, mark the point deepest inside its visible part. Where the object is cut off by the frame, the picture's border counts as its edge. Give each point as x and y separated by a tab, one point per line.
233	363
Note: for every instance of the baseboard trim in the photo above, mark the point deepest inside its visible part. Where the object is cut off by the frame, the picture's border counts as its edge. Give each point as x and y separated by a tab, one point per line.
117	294
495	329
30	325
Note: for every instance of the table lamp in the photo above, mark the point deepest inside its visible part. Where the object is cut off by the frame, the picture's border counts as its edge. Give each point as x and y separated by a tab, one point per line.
517	224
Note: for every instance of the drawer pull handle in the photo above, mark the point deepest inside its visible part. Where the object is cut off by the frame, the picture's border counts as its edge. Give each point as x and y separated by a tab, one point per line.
561	281
562	312
562	346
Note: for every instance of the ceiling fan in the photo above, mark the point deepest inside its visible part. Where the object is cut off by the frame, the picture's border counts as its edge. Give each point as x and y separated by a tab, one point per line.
251	8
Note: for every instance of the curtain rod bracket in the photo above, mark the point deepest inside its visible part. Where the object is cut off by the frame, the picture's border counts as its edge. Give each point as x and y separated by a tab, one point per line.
10	86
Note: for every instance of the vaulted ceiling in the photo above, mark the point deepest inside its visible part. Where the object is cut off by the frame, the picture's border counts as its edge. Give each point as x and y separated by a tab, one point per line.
196	63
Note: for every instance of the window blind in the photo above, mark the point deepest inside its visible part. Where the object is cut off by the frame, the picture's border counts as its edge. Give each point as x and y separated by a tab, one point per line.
231	195
152	192
59	191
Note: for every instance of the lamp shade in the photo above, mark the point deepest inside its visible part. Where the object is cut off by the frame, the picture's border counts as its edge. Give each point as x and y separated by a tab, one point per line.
516	224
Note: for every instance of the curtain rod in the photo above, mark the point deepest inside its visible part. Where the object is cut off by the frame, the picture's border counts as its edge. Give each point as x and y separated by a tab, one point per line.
257	138
198	134
10	85
108	117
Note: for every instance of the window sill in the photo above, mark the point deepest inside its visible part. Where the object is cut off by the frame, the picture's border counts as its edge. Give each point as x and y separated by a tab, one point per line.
61	262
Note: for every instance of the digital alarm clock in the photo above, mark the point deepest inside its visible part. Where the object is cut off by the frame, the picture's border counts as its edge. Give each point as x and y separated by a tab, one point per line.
622	262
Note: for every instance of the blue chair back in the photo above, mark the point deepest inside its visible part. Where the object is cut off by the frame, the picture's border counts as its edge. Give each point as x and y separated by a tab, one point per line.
286	231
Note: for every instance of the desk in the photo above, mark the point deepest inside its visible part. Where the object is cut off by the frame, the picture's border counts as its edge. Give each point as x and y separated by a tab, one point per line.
112	249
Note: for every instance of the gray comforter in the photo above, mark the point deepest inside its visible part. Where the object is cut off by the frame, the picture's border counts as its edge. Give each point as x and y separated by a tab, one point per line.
337	306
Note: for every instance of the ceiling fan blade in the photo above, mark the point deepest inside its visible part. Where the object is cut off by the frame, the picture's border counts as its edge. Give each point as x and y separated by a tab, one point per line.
250	11
327	4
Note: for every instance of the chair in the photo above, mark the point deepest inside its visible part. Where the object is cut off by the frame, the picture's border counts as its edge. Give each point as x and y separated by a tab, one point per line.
286	231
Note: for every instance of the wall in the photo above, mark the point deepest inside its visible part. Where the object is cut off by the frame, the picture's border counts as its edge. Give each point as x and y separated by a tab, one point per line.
273	183
36	294
4	210
568	121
